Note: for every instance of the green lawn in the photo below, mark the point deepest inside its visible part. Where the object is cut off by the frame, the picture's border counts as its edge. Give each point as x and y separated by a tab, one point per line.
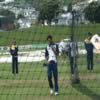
31	82
38	34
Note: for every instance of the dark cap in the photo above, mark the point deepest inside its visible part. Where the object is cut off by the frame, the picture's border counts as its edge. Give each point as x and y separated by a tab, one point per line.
89	33
49	37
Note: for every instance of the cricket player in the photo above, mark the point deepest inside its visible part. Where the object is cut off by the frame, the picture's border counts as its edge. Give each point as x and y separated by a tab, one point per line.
14	53
89	48
51	53
63	47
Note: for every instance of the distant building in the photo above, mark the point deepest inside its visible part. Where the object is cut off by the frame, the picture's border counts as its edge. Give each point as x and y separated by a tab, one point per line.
65	19
89	1
28	12
24	23
7	23
7	1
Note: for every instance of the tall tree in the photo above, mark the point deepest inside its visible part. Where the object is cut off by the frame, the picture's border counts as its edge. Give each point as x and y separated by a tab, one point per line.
4	12
92	12
49	10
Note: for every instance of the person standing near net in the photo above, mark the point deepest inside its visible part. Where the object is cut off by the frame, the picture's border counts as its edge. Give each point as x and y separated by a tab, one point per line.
89	48
73	54
14	54
51	53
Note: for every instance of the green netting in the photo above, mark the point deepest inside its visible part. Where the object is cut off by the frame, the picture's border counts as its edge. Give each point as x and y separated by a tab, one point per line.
31	82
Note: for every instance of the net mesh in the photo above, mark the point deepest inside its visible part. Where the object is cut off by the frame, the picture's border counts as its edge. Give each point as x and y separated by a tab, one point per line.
31	82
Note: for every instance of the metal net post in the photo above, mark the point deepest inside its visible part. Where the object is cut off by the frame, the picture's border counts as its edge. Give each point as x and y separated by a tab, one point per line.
74	50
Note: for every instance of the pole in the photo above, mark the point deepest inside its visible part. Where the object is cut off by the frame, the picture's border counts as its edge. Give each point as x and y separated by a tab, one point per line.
73	26
74	49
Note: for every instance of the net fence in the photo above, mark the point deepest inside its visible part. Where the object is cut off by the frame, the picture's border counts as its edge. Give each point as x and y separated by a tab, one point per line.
31	82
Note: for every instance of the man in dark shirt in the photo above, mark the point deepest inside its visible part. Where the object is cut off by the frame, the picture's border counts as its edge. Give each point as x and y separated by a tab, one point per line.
14	53
89	48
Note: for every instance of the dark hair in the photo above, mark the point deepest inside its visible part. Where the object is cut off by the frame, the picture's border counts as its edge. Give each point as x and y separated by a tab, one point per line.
89	34
49	37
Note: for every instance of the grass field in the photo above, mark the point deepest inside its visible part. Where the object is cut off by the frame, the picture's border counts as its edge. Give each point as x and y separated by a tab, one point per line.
31	82
38	34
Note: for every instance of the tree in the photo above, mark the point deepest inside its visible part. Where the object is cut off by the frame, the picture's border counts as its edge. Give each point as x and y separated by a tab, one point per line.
69	7
49	10
36	4
20	16
92	12
4	12
97	15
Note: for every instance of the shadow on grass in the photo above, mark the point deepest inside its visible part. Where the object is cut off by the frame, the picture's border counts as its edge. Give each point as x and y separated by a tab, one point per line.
86	91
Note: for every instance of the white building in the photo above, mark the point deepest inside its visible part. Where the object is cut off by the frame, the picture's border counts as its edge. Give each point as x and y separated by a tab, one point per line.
8	1
89	1
24	23
65	19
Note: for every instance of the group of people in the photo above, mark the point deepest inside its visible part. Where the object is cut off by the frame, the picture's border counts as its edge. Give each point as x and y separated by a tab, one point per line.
51	53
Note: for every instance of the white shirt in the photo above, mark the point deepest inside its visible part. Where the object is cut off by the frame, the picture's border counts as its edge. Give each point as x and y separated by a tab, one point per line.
73	49
52	55
63	46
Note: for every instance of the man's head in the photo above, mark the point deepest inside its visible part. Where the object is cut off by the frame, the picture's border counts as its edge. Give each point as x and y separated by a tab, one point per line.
49	39
89	35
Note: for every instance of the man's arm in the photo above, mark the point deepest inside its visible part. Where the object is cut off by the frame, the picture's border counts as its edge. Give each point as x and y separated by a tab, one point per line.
57	50
17	48
86	43
46	54
46	57
10	51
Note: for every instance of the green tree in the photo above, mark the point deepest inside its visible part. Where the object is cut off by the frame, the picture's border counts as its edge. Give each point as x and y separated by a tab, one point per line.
92	12
97	15
4	12
69	7
49	10
36	4
20	16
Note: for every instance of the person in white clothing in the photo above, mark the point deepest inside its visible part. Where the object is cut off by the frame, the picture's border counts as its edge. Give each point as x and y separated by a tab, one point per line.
51	53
